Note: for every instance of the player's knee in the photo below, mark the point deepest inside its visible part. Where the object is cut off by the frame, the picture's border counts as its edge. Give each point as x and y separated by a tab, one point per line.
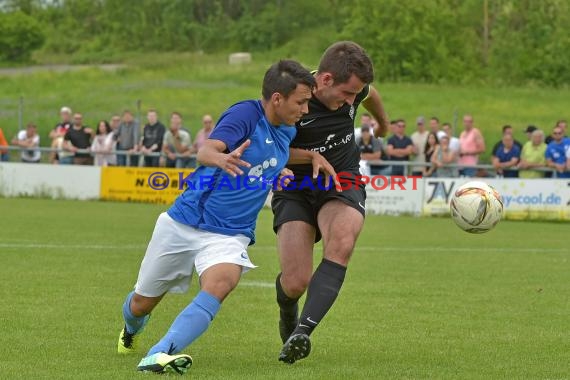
219	289
339	249
141	305
295	285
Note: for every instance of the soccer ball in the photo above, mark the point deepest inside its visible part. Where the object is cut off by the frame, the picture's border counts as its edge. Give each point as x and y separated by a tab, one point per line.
476	207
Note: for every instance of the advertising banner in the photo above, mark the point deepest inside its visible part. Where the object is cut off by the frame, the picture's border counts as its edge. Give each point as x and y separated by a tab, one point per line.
394	195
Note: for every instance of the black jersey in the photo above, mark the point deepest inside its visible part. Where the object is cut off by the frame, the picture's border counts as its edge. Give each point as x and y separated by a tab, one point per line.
331	133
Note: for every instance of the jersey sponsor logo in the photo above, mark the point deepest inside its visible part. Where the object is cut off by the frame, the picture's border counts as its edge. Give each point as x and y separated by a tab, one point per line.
328	145
257	170
351	112
306	122
244	256
267	141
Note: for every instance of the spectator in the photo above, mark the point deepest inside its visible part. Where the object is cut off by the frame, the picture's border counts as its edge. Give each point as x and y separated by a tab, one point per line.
115	123
444	156
79	137
431	145
507	130
204	133
177	144
453	141
103	145
528	131
59	156
153	135
419	138
4	156
507	156
400	147
365	119
434	126
471	144
370	150
558	153
30	141
562	124
532	155
127	139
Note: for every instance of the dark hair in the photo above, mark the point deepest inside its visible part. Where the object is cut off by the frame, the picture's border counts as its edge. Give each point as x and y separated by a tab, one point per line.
444	124
344	59
176	113
106	126
435	118
394	122
505	127
426	147
284	76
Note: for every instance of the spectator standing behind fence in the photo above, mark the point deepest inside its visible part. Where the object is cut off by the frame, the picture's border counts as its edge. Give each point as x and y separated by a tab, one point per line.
4	156
444	156
365	120
29	140
471	144
177	144
532	155
506	157
127	139
400	147
79	137
151	142
562	124
434	127
507	130
558	153
103	145
370	149
419	138
59	156
204	133
429	150
453	141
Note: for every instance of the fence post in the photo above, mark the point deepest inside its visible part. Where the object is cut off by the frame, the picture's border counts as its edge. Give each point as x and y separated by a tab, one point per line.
21	114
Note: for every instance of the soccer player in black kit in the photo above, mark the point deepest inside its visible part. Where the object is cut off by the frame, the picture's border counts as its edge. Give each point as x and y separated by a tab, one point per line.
325	138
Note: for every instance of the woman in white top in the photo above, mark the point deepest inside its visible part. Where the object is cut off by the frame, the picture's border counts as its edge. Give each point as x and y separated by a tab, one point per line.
442	156
103	145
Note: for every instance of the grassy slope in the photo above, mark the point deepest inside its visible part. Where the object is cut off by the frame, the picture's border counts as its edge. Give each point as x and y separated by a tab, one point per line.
195	84
439	304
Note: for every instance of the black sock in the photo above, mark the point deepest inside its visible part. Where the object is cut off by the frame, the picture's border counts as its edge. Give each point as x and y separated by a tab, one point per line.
289	308
323	290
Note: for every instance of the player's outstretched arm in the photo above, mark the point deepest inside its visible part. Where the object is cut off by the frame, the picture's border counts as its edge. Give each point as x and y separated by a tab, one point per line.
373	103
212	154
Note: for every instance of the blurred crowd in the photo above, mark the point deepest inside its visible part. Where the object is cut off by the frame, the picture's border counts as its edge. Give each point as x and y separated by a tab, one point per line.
431	150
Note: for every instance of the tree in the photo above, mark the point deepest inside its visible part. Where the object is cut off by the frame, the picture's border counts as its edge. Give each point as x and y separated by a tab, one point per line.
20	35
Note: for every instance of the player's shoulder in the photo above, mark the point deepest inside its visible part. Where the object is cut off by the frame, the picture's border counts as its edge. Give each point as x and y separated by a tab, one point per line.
246	109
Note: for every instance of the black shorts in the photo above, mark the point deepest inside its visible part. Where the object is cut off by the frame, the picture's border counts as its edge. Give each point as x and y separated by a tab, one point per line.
305	204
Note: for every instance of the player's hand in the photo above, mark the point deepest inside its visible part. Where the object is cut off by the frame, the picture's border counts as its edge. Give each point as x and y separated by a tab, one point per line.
321	165
232	161
284	179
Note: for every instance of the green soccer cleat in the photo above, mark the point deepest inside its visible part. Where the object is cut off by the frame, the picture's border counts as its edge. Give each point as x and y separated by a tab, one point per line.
127	342
161	363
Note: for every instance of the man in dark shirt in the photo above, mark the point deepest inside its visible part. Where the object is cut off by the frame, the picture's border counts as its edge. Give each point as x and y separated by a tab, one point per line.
400	147
151	142
79	137
507	130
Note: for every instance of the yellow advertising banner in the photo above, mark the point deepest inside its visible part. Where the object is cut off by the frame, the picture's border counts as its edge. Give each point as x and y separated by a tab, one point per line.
151	185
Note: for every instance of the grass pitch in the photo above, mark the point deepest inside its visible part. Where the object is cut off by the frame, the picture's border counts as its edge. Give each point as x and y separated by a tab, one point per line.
422	299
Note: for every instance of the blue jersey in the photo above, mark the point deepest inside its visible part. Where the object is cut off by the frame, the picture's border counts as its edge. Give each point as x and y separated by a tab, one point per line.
559	153
217	202
506	157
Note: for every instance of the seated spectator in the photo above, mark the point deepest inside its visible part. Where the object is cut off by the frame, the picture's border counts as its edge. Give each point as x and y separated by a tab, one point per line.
127	140
4	156
558	153
61	156
532	155
453	141
507	130
204	133
103	145
562	124
29	140
79	137
429	149
400	147
177	144
151	142
444	156
472	144
419	138
507	156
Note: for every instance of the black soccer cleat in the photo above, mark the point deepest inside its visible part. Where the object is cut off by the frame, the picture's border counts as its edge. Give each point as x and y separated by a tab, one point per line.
297	347
286	328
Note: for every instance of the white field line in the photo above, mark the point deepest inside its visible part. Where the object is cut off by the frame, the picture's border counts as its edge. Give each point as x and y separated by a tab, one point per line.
380	249
257	284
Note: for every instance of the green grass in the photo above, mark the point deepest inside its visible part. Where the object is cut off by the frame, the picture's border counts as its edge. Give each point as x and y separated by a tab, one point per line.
195	84
422	299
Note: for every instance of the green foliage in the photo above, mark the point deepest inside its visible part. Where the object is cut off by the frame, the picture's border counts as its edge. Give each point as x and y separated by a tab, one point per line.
20	34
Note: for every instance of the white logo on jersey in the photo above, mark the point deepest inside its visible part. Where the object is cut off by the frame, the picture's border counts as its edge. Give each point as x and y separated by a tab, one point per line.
329	137
267	141
351	112
330	145
256	172
307	122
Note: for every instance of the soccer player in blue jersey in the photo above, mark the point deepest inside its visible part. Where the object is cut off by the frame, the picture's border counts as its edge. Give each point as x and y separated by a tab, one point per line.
211	224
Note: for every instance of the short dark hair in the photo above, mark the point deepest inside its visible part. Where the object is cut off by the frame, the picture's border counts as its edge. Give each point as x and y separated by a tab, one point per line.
435	118
393	121
284	76
345	58
505	127
176	113
446	124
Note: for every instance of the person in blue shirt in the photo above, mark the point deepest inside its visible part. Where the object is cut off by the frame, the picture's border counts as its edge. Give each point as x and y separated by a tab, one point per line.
558	153
211	224
506	156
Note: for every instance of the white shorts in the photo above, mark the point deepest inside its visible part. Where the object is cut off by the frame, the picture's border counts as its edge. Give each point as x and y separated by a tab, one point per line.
175	249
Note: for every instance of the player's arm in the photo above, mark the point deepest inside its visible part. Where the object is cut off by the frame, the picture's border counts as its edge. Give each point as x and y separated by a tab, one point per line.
212	154
373	103
320	164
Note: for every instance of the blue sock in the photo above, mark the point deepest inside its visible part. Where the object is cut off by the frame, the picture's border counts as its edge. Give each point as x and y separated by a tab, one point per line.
189	325
134	324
